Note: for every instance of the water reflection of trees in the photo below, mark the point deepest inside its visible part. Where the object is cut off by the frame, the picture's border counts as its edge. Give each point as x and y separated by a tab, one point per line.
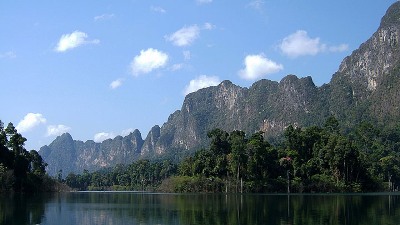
283	209
247	209
143	208
22	208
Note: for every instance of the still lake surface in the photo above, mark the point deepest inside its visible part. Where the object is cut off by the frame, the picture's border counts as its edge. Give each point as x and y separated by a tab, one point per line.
118	208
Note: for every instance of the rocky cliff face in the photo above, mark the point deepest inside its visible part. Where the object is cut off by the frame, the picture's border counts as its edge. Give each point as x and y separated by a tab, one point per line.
366	87
267	105
75	156
362	75
149	146
60	154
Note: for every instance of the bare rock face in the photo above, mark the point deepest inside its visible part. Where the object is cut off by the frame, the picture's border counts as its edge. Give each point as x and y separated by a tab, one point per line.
366	87
71	156
361	75
267	106
377	56
151	141
60	154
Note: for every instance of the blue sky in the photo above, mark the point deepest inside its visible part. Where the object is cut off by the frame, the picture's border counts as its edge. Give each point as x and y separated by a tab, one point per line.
97	69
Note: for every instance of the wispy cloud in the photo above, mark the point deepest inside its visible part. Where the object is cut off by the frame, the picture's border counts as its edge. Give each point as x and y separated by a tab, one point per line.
188	34
56	130
116	83
30	121
339	48
8	55
300	44
209	26
257	66
184	36
200	82
147	61
158	9
73	40
106	16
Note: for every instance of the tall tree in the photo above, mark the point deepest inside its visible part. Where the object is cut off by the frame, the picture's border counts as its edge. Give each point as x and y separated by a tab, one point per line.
16	141
238	158
37	164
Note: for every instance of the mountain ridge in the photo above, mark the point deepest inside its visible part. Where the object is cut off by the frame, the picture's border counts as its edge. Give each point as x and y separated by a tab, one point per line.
365	87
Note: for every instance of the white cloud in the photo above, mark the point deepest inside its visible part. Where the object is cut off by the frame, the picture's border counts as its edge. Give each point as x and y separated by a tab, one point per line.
103	17
300	44
116	83
56	130
187	35
8	55
203	1
148	60
73	40
200	82
158	9
100	137
257	66
30	121
184	36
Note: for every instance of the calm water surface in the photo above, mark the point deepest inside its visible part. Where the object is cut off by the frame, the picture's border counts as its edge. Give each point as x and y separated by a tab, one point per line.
148	208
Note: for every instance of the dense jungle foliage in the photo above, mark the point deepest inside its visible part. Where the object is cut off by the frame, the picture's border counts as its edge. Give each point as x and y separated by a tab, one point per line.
312	159
21	170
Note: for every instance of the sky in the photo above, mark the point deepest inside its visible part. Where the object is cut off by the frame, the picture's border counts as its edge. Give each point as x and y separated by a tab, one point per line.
97	69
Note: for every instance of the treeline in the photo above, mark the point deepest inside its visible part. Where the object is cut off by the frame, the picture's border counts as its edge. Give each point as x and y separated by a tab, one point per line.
142	175
20	170
313	159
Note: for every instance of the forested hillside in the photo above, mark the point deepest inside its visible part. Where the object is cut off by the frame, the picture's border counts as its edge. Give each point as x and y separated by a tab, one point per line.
312	159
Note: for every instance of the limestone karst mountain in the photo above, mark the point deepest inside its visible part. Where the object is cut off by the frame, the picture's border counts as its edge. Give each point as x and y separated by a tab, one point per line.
365	87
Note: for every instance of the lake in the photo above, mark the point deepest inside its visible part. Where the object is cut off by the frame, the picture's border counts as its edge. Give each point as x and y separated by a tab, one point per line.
118	208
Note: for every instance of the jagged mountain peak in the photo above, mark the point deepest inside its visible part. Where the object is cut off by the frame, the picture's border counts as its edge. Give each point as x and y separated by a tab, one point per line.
289	78
136	132
294	80
65	139
65	136
392	16
226	83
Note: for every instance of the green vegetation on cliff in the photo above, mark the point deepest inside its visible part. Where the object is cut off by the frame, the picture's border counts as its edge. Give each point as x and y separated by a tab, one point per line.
312	159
